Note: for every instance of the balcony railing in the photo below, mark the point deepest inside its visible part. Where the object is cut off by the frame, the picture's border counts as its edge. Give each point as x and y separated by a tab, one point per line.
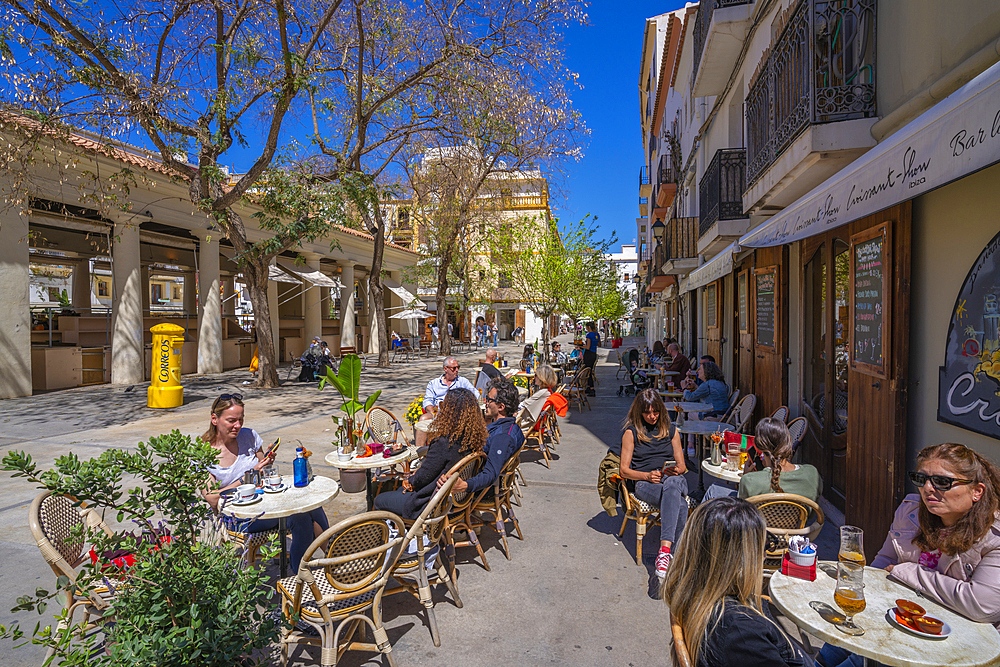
681	238
704	20
720	194
518	202
821	69
643	176
667	173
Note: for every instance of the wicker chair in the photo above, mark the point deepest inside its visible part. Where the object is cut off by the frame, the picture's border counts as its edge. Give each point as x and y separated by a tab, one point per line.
460	515
55	524
644	515
576	390
681	655
786	515
495	503
410	571
797	427
249	542
331	594
781	414
535	437
742	414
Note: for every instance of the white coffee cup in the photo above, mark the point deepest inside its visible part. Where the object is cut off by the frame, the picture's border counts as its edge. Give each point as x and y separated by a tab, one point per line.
245	492
274	482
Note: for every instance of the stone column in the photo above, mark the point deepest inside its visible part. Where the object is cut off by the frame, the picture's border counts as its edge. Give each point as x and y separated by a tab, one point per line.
127	354
312	308
81	286
190	294
272	307
347	336
15	315
229	297
210	309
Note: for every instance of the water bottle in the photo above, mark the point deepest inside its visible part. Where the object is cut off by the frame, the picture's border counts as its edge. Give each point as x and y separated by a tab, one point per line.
300	469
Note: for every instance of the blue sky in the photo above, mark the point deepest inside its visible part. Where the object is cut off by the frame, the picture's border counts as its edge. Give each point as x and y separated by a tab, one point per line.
606	55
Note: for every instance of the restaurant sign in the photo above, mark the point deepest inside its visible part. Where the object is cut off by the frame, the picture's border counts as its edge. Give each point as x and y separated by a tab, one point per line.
969	384
957	136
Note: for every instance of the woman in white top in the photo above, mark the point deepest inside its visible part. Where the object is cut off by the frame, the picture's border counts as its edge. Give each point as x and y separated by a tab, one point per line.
241	449
531	408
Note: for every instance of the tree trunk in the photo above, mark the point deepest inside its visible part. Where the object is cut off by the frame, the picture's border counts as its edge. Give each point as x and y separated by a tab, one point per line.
545	338
442	306
256	275
375	290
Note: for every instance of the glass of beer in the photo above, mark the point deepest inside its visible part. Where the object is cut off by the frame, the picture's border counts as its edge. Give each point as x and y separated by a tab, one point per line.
850	595
852	546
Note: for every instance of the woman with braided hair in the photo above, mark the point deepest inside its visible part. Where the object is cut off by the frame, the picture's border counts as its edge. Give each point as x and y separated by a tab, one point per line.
779	475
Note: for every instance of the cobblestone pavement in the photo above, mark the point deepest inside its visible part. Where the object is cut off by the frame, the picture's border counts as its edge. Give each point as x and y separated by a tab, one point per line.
571	593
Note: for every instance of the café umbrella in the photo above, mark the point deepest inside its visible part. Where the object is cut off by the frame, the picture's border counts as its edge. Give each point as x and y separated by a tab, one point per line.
412	315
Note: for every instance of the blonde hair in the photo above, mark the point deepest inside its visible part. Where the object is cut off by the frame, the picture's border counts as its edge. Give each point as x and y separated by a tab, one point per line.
221	404
720	554
546	376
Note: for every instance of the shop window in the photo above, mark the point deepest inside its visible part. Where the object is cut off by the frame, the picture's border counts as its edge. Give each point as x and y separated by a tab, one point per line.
178	293
54	294
103	288
504	281
155	293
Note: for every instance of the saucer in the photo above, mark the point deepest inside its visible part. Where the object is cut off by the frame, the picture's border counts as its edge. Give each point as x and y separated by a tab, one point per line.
890	616
284	486
243	503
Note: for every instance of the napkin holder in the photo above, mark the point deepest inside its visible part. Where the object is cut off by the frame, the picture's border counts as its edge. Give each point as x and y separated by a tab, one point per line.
790	569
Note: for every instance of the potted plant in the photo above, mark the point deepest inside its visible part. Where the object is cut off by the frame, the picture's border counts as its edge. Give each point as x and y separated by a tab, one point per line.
188	599
350	425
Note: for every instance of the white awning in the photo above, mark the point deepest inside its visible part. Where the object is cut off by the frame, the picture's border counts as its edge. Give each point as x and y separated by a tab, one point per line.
409	299
954	138
715	268
277	275
311	276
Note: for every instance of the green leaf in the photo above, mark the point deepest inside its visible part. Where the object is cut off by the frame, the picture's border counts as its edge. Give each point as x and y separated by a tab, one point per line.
371	400
352	407
350	376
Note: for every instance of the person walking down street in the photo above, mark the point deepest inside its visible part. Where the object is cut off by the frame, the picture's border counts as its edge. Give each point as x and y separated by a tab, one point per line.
593	341
436	336
496	334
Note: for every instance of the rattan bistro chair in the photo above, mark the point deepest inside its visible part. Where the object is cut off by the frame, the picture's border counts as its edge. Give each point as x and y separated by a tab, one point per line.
499	499
60	529
681	655
459	517
576	390
797	428
332	594
644	515
410	571
540	435
781	414
786	515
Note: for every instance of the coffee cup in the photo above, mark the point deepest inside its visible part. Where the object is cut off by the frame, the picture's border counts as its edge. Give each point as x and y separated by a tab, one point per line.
274	482
245	492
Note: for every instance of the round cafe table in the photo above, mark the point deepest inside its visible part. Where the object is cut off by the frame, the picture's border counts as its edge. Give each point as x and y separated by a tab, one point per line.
369	463
970	644
690	406
701	429
293	500
720	472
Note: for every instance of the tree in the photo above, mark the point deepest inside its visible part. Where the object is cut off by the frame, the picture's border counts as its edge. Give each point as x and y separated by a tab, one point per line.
189	77
545	262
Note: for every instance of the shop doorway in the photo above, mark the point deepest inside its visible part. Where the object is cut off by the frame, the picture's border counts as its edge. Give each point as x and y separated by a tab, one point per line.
713	321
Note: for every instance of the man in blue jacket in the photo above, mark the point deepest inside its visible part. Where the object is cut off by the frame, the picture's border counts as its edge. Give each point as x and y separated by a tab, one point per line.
503	438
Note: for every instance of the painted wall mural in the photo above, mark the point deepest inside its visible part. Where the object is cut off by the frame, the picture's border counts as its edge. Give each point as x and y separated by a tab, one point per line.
969	384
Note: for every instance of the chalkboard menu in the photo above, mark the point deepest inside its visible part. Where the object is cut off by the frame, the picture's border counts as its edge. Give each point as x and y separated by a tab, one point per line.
870	287
743	296
766	306
711	307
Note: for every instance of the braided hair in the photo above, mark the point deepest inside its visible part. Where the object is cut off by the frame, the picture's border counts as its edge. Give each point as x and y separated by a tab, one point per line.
772	437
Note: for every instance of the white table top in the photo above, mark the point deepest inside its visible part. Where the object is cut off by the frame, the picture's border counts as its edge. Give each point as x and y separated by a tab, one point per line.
720	471
373	461
970	644
703	428
293	500
673	395
689	406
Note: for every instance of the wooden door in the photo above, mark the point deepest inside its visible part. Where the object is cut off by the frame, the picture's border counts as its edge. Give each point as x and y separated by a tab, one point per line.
743	351
519	318
876	427
713	320
769	303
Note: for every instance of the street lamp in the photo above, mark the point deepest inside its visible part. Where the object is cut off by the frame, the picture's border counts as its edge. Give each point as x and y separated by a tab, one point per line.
658	229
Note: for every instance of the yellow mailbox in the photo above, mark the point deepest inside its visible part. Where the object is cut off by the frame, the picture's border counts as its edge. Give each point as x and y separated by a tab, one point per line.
166	390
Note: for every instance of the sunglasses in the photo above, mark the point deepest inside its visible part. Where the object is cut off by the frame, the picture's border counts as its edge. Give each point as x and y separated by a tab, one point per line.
939	482
231	397
452	368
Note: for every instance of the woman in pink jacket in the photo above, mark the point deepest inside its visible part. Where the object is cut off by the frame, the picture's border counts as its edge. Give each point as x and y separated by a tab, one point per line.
945	542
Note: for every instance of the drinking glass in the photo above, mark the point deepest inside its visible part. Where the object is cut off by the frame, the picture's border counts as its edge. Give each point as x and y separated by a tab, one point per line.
850	595
852	548
733	457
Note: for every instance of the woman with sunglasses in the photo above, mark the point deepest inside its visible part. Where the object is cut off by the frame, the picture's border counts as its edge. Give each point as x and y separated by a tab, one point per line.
945	541
240	450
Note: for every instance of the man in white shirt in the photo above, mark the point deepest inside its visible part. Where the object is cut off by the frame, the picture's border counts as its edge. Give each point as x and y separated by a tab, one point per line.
437	389
436	335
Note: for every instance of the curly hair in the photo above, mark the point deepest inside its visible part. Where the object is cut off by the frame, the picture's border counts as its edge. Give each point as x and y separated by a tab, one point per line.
712	371
959	538
460	420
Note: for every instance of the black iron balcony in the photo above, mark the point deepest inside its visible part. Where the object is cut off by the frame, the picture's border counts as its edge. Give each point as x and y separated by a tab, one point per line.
821	69
667	173
643	176
704	20
681	238
720	194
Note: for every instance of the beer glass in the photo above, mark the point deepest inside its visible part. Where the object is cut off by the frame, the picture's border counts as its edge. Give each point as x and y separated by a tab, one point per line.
850	595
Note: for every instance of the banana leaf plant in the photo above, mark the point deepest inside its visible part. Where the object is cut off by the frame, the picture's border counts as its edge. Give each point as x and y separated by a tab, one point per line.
347	381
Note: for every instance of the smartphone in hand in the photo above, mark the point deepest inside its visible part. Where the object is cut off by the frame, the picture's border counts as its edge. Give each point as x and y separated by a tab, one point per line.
669	468
273	449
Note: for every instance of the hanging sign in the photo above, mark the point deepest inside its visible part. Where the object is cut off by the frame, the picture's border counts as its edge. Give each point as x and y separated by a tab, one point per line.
871	282
969	381
766	306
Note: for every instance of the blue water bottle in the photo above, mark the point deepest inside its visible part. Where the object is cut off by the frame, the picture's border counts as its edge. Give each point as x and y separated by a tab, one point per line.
299	469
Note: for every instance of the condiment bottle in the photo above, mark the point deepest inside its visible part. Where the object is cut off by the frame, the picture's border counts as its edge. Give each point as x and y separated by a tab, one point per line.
300	469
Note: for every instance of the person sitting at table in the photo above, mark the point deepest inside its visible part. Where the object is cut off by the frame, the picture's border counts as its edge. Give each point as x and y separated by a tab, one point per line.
396	340
945	540
503	437
779	475
458	430
713	389
679	363
658	355
545	383
437	389
489	366
558	356
529	352
713	590
240	450
652	464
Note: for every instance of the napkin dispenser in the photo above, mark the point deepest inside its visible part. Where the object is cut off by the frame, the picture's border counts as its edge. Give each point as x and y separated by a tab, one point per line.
789	568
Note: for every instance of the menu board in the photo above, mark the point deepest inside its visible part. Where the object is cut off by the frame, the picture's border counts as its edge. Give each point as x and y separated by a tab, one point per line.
765	306
711	307
869	299
743	298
